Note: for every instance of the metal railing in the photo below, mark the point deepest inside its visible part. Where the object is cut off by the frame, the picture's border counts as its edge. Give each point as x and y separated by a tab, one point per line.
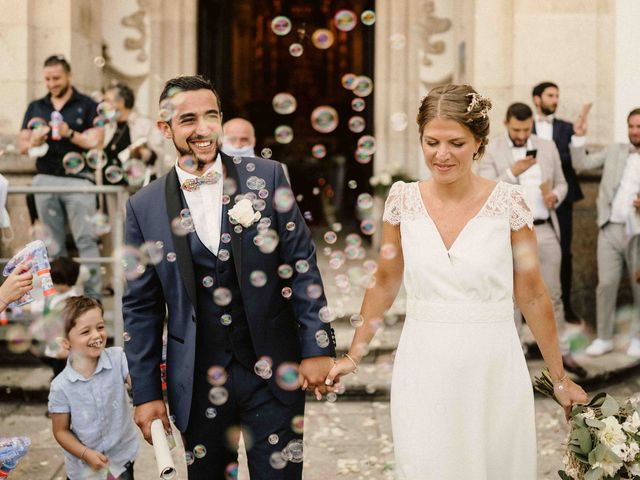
117	238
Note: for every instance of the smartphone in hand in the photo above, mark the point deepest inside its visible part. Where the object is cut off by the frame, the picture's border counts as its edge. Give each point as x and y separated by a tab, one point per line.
532	153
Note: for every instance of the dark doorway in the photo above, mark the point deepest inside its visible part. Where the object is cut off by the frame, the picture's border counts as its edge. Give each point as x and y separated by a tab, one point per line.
249	64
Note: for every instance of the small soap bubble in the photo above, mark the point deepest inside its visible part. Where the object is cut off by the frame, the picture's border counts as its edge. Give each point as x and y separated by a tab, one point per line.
258	278
367	144
99	62
222	296
283	134
322	339
189	458
223	255
218	396
296	49
358	104
363	87
337	259
365	201
285	271
114	174
237	160
337	227
277	461
318	151
263	193
314	291
100	225
226	319
216	375
287	376
106	110
266	153
237	229
326	314
207	282
284	103
388	251
399	121
274	439
348	81
368	226
332	397
283	199
231	472
188	163
322	38
302	266
281	25
356	320
73	163
286	292
345	20
199	451
171	257
398	41
297	424
126	337
291	226
368	17
263	367
250	167
324	119
211	413
330	237
225	238
352	184
356	124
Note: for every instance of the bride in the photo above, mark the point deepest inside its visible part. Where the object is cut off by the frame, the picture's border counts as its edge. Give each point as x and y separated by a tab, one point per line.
461	397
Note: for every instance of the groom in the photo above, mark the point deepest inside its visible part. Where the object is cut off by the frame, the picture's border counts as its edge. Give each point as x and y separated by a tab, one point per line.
245	316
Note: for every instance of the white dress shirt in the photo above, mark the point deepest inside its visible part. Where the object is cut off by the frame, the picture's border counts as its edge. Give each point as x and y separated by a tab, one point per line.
544	129
531	179
622	205
205	205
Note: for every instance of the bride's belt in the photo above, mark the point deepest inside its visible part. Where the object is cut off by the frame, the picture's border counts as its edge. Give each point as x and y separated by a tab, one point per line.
471	312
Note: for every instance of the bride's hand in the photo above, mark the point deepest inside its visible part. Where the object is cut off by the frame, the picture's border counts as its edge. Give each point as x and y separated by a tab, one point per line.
570	394
341	367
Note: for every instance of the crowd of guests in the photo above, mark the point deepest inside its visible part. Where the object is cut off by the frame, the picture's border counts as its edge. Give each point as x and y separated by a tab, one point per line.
543	153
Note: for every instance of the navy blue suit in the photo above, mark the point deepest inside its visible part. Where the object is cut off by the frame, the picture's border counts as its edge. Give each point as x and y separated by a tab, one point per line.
282	329
562	133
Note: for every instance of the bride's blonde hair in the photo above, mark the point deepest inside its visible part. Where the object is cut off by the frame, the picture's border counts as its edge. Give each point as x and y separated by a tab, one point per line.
462	104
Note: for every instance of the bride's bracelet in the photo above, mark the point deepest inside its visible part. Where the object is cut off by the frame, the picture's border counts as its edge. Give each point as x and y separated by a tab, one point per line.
355	365
560	382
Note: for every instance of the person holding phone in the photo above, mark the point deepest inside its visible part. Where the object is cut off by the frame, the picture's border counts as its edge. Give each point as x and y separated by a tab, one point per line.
520	157
564	134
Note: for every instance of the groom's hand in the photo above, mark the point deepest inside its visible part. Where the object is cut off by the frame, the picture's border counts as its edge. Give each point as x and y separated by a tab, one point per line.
145	413
313	372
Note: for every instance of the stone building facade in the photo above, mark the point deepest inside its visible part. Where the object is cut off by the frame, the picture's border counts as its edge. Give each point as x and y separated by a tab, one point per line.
502	47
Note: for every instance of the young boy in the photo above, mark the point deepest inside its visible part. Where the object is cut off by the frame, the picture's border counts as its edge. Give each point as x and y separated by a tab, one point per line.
88	401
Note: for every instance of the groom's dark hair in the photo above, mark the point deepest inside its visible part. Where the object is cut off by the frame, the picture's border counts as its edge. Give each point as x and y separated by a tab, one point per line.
185	83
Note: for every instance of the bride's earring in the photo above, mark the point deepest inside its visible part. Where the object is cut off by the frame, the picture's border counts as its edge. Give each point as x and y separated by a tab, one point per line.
476	155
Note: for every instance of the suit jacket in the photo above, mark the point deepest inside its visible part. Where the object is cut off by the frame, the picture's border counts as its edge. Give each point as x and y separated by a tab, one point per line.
612	159
498	159
284	330
562	133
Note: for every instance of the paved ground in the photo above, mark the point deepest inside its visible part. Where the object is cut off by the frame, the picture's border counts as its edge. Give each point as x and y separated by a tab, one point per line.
344	440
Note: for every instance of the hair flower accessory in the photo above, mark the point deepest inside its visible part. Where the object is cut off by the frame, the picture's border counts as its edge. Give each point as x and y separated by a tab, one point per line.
479	103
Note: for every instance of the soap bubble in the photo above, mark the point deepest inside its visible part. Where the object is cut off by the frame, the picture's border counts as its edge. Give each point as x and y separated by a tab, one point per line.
285	271
358	104
322	38
222	296
284	134
263	367
367	144
216	375
399	121
96	158
398	41
258	278
281	25
287	376
286	292
318	151
283	199
330	237
324	119
152	252
218	396
368	17
363	86
349	80
106	110
266	153
356	124
113	174
368	226
296	49
207	282
73	163
284	103
345	20
99	224
302	266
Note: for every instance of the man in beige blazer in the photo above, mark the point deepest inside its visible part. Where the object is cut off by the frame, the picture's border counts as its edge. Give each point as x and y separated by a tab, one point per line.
619	222
520	157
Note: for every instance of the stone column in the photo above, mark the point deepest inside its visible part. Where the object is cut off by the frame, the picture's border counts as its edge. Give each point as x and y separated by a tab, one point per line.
627	67
414	51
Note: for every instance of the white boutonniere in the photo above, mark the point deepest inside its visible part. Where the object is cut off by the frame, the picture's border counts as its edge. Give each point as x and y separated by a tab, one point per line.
243	213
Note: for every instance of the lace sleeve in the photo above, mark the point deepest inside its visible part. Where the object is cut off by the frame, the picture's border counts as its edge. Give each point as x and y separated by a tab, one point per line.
520	214
393	206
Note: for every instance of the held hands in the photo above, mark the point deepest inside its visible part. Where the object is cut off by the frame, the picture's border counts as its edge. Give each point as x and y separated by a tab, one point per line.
96	460
145	413
344	366
313	372
568	394
65	131
522	165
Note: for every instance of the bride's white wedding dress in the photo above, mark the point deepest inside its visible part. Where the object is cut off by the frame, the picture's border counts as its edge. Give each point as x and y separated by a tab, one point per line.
461	397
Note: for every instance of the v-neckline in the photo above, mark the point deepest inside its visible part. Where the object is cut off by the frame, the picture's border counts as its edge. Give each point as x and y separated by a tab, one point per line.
464	227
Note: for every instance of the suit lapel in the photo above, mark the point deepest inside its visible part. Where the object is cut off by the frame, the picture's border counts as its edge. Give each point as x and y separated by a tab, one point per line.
231	172
180	243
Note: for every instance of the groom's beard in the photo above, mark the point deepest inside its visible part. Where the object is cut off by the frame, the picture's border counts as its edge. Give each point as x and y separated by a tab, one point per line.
201	164
546	111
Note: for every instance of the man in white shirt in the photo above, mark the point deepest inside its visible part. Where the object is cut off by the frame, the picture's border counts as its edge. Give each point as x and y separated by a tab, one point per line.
619	224
522	158
239	138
